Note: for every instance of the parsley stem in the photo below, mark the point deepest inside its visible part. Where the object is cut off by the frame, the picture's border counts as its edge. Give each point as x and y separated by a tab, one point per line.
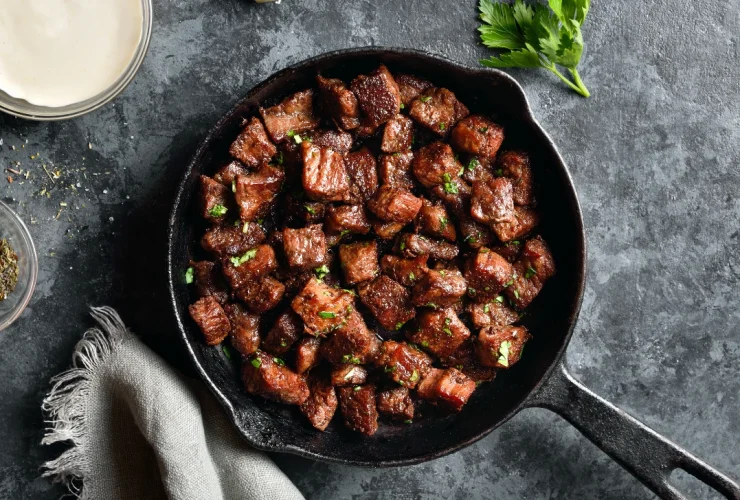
577	78
579	87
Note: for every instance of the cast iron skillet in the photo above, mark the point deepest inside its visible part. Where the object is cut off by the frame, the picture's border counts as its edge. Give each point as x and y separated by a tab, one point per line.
540	379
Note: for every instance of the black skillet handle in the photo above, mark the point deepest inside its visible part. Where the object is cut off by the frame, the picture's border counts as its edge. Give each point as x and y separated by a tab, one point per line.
643	452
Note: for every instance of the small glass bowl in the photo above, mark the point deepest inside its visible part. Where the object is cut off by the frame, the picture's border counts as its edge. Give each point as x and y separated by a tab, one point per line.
15	231
24	109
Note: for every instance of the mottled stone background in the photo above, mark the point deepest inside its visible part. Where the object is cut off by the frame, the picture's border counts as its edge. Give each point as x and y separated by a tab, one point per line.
654	153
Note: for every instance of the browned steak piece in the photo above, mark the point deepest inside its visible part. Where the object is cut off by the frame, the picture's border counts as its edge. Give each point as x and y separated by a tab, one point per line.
324	175
396	403
509	250
321	405
477	168
455	194
377	94
338	102
438	110
439	289
352	343
435	164
516	166
226	175
388	300
466	360
225	241
473	233
293	114
404	364
492	200
394	204
434	220
524	220
398	135
386	230
305	248
343	219
491	313
477	135
534	266
245	333
362	169
344	375
253	264
357	404
268	377
252	146
262	294
336	140
307	354
300	211
286	330
487	273
359	261
208	280
211	318
448	388
438	331
214	199
256	191
501	346
405	271
413	245
395	170
410	87
322	308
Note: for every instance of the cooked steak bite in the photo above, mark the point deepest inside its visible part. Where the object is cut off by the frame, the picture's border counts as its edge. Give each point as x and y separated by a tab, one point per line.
524	220
214	201
321	405
492	201
322	308
494	312
402	363
294	114
477	168
226	175
324	175
305	248
438	110
405	271
268	377
439	289
435	164
307	354
359	261
344	375
448	388
477	135
434	220
501	346
509	250
515	165
336	140
352	343
439	332
396	403
225	241
262	294
252	146
377	94
357	404
209	281
286	330
534	266
344	219
338	102
397	135
256	191
253	264
410	87
386	230
211	318
395	170
299	211
465	359
362	169
388	300
455	194
413	245
487	274
394	204
473	233
245	334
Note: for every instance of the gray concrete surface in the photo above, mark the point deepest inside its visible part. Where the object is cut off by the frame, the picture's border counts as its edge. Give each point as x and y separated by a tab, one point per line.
655	154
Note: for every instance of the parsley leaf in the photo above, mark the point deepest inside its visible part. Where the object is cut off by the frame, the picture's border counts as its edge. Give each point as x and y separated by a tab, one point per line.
321	271
327	315
248	255
217	211
189	275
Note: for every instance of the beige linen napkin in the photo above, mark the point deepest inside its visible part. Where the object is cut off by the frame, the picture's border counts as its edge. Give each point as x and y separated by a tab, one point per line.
139	430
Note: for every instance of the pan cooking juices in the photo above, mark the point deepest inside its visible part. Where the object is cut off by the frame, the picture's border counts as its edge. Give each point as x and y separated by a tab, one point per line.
56	53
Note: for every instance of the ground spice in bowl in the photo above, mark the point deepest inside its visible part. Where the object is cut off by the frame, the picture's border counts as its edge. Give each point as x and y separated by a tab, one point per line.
8	269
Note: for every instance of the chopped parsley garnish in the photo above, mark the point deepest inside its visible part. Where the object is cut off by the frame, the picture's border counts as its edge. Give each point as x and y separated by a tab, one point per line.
425	98
189	276
399	325
402	246
279	158
351	359
431	304
516	293
249	255
449	186
443	223
412	276
443	273
487	308
227	351
344	233
472	291
245	227
279	361
483	130
403	106
309	209
327	315
256	362
473	164
233	186
515	242
499	299
389	369
218	211
322	271
530	272
414	376
499	172
503	352
356	388
448	321
283	343
424	343
442	126
447	331
409	421
296	137
509	283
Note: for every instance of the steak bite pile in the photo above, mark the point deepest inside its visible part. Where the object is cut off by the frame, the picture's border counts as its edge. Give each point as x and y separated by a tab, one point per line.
368	251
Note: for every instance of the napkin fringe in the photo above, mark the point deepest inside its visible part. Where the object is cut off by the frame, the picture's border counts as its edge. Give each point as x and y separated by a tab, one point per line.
66	403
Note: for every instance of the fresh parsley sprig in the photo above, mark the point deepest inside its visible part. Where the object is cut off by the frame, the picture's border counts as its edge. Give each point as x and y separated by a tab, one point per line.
535	36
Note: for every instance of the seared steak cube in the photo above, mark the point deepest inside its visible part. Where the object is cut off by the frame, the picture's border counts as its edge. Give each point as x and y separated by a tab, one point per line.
286	330
256	191
523	221
435	164
214	200
394	204
386	230
478	168
358	408
405	271
455	194
438	110
225	241
404	364
487	274
434	220
410	87
307	354
465	359
477	135
338	102
473	233
515	165
359	261
211	318
439	331
395	170
396	403
345	219
388	300
252	146
294	114
321	405
509	251
413	245
298	211
501	346
397	135
439	289
324	175
268	377
491	313
344	375
336	140
245	333
448	388
208	280
377	94
322	308
262	294
253	264
226	175
534	267
352	343
363	174
492	200
305	248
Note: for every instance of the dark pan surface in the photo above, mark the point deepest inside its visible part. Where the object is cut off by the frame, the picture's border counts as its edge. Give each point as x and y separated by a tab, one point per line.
551	317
